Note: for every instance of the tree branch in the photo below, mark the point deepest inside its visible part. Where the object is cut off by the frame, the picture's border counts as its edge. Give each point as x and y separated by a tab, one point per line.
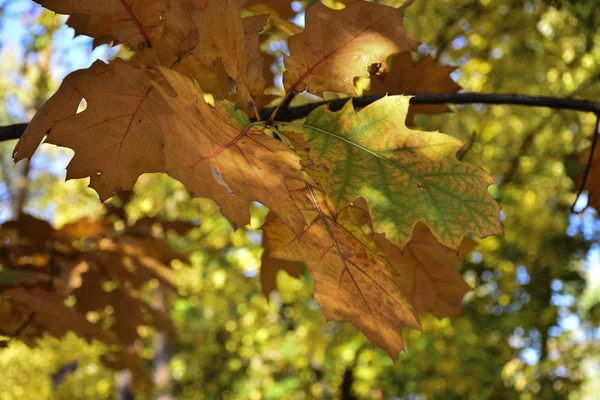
445	98
11	132
289	114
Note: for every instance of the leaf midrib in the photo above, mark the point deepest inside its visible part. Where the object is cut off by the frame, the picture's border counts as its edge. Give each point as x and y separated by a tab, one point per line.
426	183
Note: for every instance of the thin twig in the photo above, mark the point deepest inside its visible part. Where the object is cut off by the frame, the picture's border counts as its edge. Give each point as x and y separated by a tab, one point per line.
530	135
589	163
528	138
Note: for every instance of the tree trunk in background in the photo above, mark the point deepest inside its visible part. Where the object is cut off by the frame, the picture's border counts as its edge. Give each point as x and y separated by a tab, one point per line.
163	352
123	385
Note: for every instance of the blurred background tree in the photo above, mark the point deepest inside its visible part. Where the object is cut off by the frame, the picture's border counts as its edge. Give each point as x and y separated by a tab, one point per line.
530	326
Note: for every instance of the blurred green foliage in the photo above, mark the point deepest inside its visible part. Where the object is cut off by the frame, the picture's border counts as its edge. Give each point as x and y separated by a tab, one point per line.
530	326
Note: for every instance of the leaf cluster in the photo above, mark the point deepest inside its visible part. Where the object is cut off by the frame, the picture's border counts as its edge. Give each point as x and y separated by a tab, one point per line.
91	277
378	212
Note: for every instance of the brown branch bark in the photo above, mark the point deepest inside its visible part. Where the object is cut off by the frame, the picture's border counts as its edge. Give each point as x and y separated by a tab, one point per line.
11	132
289	114
446	98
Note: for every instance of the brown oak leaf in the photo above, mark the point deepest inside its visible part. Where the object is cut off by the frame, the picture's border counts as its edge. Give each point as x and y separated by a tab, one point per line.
406	76
283	8
178	39
592	183
115	139
269	270
352	282
427	272
217	153
136	22
57	318
340	45
225	36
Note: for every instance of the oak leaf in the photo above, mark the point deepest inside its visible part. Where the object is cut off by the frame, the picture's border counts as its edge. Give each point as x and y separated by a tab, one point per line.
28	232
211	80
51	312
592	183
406	76
138	23
128	310
11	277
279	12
352	283
427	272
63	103
340	45
178	39
269	270
103	270
116	138
399	4
217	153
406	176
283	8
225	36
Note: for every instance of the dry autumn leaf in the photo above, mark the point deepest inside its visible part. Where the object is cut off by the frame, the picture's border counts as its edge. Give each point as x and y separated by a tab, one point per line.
179	37
399	4
406	176
340	45
104	271
406	76
218	154
226	37
9	277
352	283
136	22
592	183
283	8
115	139
62	104
214	81
51	312
269	270
279	12
183	104
427	272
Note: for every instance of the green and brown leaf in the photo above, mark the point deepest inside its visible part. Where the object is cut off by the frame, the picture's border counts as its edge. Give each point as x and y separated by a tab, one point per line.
406	176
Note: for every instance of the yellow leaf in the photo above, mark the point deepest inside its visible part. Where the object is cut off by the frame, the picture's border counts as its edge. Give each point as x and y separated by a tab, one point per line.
283	8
